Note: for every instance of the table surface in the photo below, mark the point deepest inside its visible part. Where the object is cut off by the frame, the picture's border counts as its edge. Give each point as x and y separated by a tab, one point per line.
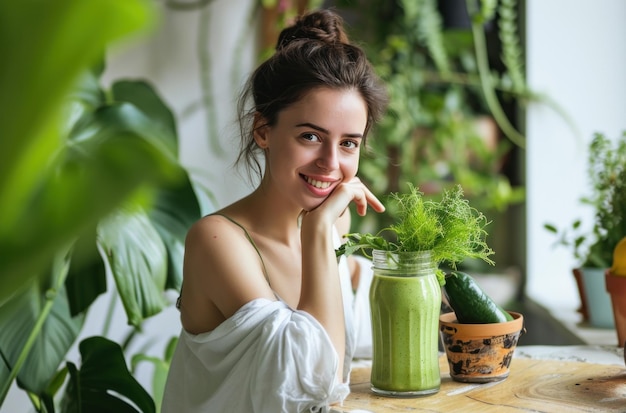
534	384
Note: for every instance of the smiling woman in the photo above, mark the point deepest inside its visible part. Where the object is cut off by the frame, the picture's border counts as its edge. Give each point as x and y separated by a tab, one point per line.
317	140
270	319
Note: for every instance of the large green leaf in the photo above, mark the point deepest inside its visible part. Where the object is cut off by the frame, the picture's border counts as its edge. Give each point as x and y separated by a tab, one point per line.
114	153
40	312
45	46
138	260
141	94
102	377
39	39
86	279
176	208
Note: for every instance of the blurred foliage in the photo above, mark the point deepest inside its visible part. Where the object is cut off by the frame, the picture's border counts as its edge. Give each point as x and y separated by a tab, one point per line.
90	183
446	124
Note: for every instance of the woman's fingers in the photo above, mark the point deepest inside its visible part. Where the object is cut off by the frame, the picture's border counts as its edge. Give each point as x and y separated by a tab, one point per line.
353	191
374	202
362	197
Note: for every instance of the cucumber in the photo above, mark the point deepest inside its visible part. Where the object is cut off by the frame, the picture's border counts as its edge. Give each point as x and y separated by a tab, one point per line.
470	303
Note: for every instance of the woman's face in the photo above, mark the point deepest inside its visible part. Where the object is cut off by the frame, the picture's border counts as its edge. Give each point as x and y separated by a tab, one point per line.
314	145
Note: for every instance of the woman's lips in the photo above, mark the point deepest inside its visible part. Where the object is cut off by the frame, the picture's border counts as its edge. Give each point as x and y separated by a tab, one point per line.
318	186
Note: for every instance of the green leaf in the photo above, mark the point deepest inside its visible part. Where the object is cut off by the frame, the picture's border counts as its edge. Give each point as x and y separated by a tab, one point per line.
551	228
53	34
113	152
39	38
102	377
86	279
138	260
141	94
175	209
19	317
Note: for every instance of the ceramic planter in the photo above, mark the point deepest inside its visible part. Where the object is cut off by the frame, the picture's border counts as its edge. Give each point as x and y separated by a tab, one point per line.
616	287
597	299
479	353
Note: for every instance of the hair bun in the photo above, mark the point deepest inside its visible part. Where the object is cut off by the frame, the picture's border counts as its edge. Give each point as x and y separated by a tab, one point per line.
322	25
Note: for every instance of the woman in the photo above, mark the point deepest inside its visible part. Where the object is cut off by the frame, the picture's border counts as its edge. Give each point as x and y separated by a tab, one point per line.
266	308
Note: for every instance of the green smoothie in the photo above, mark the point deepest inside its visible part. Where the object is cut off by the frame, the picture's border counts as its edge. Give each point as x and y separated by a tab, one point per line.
405	324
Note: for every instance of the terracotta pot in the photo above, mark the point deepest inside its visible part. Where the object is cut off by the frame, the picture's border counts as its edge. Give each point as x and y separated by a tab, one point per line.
616	287
479	353
581	293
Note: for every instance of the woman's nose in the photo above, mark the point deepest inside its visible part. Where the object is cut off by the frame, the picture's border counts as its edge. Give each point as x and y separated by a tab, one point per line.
328	158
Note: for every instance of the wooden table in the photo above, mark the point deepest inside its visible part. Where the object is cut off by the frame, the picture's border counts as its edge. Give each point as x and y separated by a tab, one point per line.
532	385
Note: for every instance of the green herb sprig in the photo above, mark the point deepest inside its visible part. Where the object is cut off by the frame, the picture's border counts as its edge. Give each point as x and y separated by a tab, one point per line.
450	229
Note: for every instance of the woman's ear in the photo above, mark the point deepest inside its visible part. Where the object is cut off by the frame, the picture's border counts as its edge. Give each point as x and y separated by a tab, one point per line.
261	131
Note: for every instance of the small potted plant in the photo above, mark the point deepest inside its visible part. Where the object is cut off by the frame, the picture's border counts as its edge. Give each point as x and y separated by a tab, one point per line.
616	287
593	249
405	295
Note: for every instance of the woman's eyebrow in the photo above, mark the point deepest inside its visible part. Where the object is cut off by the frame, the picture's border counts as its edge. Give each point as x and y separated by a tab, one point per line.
326	131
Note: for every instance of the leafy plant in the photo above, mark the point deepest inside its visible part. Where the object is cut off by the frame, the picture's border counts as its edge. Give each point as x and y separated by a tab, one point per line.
450	229
606	168
90	184
444	85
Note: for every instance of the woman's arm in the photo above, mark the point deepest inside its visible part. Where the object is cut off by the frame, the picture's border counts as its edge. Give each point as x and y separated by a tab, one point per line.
343	225
321	289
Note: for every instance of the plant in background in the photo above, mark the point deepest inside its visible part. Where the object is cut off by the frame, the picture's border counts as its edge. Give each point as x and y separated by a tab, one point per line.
607	177
456	89
450	229
90	184
447	95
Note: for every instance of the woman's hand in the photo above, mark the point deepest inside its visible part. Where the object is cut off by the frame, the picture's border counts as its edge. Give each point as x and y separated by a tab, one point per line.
345	193
362	196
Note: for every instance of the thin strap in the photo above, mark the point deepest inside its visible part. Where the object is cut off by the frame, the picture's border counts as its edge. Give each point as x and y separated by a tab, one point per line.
251	242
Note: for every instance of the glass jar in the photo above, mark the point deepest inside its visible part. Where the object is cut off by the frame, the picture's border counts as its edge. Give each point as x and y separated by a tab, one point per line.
405	300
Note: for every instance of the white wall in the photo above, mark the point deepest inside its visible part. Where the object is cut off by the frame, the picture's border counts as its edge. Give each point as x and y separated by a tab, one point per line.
575	54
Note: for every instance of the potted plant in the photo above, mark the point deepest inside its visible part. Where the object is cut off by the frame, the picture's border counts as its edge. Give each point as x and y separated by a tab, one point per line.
616	287
593	248
405	295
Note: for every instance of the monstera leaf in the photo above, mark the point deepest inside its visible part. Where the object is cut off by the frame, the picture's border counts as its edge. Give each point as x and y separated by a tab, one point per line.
77	164
102	378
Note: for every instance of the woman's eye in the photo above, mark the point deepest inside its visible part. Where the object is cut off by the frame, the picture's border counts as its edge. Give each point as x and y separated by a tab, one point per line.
310	137
350	144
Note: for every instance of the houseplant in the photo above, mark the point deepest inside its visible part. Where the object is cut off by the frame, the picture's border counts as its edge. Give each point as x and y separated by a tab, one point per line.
90	181
405	295
616	287
593	246
446	82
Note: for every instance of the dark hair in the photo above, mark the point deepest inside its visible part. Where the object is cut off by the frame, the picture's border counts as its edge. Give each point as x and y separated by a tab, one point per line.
312	53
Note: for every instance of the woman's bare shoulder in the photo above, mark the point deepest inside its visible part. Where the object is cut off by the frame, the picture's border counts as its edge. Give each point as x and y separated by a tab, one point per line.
222	266
215	242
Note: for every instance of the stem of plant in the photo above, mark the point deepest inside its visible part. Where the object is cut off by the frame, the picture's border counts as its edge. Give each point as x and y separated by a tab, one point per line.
206	83
486	86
